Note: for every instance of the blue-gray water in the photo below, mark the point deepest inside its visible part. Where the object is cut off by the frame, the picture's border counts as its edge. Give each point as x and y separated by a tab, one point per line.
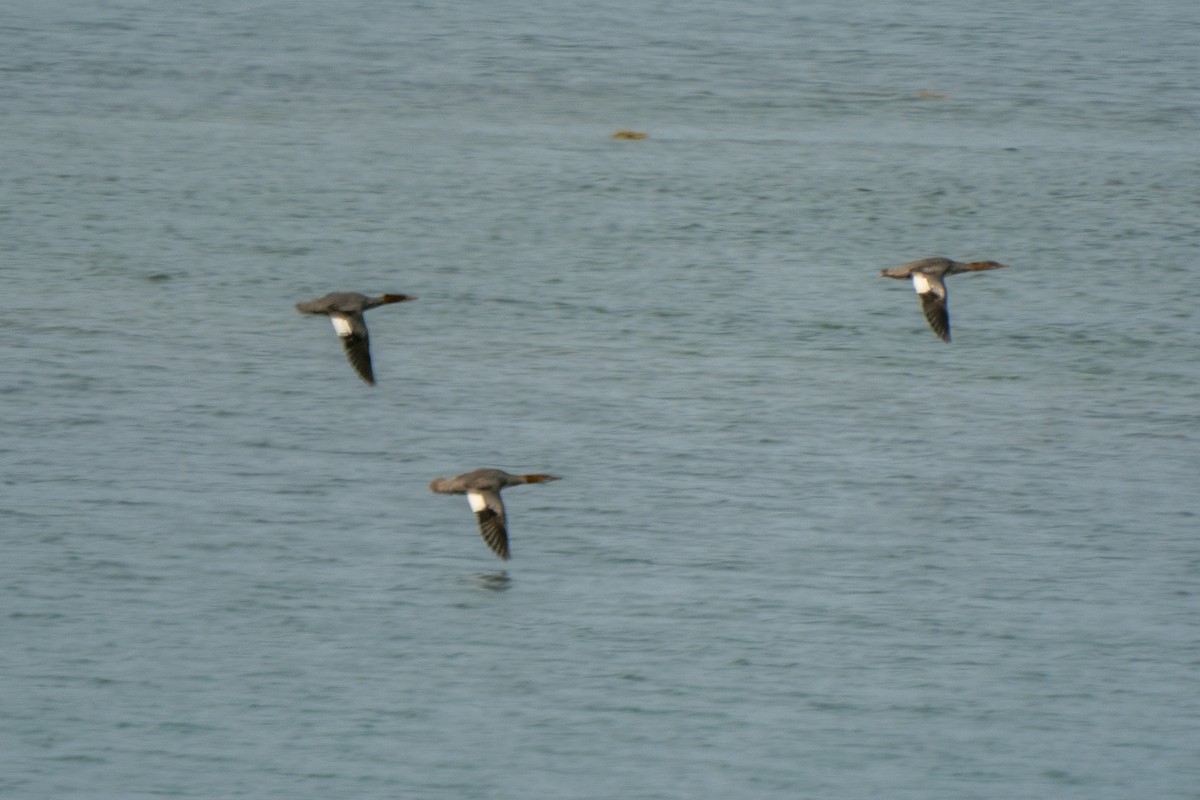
801	548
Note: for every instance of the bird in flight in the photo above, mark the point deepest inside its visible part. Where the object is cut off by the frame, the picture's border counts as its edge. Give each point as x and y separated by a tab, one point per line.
928	277
345	310
482	488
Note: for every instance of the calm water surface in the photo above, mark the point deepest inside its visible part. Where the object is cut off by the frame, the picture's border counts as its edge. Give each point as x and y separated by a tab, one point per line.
801	548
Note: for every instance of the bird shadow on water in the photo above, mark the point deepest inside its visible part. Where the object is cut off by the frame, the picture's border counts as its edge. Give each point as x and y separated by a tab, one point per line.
493	581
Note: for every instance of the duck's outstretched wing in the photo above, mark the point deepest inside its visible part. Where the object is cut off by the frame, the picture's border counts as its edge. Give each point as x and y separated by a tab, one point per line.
933	302
352	330
489	513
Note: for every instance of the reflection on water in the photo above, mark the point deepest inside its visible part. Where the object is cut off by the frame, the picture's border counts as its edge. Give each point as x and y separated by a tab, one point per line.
493	581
